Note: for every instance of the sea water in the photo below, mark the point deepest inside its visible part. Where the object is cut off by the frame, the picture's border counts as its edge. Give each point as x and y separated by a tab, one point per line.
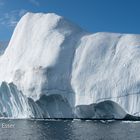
68	130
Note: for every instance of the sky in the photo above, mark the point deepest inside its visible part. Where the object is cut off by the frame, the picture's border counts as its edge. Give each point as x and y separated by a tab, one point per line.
121	16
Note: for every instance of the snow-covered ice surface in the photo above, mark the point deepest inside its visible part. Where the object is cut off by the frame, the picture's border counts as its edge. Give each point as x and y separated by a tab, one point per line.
60	69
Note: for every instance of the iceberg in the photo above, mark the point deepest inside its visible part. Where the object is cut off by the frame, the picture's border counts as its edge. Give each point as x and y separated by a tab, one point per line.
58	70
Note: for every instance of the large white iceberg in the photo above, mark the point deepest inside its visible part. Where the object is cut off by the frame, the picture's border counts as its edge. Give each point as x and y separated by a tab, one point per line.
61	69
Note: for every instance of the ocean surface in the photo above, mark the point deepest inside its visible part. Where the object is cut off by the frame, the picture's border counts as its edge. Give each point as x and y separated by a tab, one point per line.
68	130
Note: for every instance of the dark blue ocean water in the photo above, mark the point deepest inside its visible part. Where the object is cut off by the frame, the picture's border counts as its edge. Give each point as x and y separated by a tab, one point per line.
68	130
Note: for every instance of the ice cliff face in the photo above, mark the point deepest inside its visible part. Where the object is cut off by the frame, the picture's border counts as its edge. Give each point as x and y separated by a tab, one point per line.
63	71
12	102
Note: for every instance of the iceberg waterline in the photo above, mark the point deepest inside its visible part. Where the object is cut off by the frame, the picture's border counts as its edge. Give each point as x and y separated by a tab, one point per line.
13	104
54	69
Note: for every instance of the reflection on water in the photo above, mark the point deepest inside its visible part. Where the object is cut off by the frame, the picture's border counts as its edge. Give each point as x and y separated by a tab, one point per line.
68	130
